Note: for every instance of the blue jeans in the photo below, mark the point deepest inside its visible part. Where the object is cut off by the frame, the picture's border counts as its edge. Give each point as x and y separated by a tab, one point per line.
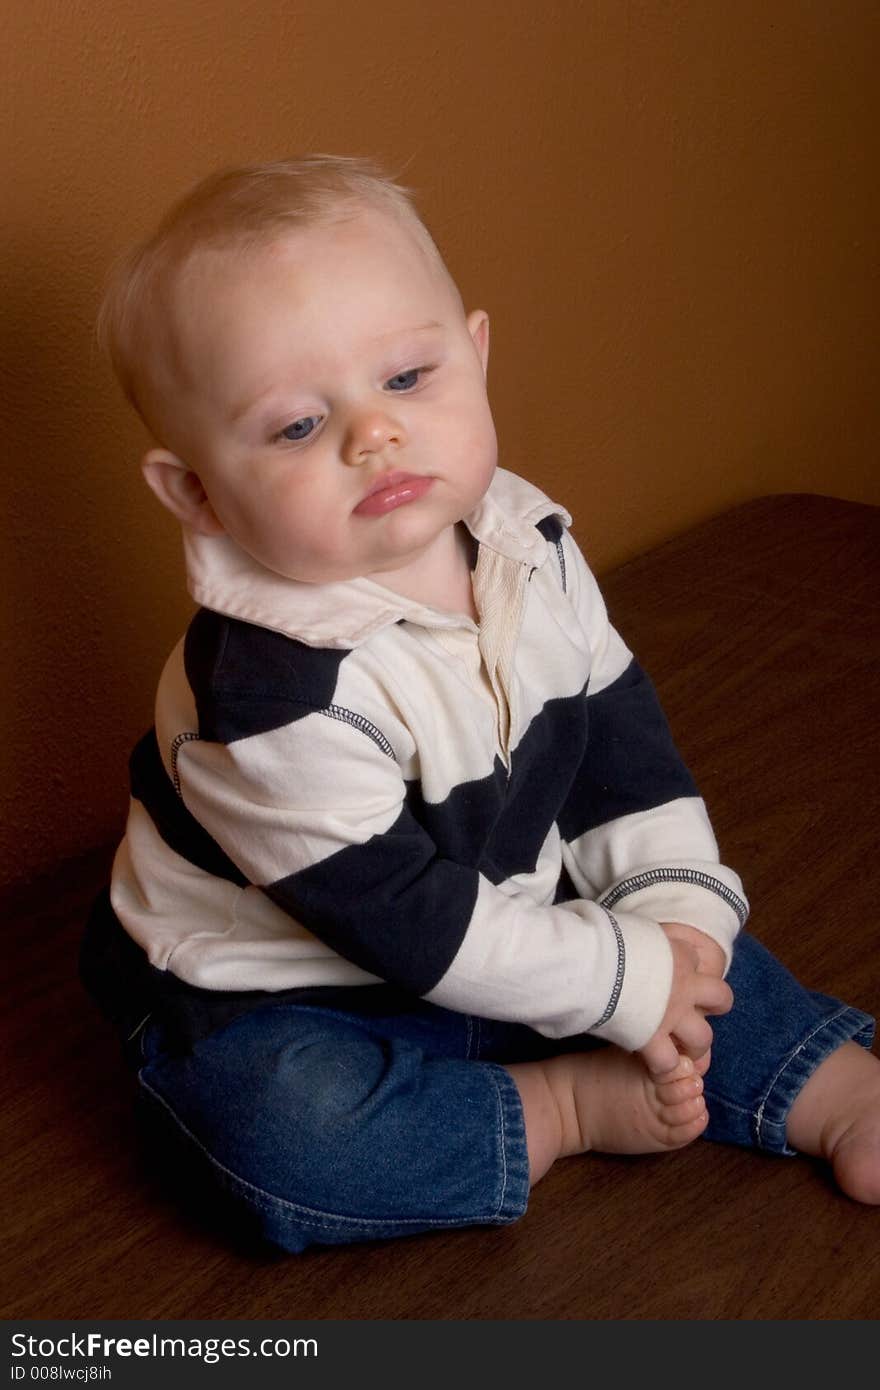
317	1124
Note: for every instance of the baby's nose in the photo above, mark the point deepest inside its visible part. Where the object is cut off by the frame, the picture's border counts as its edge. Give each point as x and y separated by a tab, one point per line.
369	434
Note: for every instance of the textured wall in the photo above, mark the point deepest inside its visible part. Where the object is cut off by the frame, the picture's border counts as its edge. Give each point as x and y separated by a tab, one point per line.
669	209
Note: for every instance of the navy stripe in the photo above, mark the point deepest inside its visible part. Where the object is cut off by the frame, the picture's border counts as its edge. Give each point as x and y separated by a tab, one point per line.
461	825
247	680
631	762
391	905
542	770
151	785
499	823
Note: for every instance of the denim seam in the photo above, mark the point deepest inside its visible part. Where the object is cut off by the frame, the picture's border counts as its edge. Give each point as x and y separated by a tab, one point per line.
780	1072
134	1032
761	1127
503	1098
317	1219
499	1130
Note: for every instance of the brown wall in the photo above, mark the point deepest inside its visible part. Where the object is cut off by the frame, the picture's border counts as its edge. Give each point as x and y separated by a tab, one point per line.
669	208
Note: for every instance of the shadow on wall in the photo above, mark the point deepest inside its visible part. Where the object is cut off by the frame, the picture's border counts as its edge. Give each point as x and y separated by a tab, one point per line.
83	539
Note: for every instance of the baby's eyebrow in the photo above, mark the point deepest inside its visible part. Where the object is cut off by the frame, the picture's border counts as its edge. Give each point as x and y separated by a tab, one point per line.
404	332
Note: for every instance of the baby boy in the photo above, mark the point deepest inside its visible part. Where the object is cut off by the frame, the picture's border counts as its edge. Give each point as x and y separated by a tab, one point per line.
416	896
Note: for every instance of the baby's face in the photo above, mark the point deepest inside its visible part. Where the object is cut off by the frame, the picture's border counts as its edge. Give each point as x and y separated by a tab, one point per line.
332	400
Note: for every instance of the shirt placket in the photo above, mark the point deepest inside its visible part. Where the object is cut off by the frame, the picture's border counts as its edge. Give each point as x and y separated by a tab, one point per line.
499	590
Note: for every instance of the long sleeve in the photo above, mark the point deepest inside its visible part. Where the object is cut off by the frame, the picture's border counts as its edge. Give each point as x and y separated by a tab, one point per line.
636	833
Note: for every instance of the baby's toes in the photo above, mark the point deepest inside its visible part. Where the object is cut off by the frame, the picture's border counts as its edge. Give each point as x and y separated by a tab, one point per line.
680	1106
682	1089
701	1065
685	1119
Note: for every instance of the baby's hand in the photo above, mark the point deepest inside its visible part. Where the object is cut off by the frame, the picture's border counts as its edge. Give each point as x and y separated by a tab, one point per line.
694	994
712	960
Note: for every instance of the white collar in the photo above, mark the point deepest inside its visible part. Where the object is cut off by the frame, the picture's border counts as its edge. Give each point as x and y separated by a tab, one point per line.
223	577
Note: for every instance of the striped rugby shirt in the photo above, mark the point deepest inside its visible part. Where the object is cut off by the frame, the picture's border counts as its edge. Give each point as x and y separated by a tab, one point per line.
345	786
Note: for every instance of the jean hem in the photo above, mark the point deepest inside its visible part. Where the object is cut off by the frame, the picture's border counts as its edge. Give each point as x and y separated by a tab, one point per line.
770	1118
294	1226
514	1151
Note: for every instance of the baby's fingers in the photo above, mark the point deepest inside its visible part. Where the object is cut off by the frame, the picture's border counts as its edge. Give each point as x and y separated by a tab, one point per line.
716	997
693	1035
660	1055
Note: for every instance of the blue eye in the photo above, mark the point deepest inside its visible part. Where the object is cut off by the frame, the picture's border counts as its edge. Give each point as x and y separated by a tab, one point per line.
405	381
300	429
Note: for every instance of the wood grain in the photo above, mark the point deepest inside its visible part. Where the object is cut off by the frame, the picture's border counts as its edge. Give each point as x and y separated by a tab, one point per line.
761	631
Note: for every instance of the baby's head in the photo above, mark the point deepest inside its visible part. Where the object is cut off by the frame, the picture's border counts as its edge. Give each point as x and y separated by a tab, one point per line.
295	343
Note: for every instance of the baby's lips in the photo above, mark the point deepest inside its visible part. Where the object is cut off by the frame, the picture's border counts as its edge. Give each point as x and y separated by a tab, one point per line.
392	490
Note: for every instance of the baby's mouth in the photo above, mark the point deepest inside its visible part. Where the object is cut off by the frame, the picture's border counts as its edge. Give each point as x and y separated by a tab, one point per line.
392	490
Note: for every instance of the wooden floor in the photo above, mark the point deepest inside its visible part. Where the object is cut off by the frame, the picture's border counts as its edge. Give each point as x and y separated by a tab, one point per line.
761	631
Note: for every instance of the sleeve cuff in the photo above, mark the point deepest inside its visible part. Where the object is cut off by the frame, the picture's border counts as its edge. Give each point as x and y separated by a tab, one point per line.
636	1010
708	897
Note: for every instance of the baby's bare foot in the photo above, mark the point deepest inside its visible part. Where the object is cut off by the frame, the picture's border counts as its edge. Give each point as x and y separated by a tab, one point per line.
622	1109
606	1100
837	1117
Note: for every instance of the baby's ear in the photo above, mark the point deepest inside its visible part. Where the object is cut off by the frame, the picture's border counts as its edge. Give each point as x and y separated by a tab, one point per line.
180	490
478	327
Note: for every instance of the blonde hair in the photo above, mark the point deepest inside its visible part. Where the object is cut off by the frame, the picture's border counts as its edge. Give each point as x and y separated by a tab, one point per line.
234	209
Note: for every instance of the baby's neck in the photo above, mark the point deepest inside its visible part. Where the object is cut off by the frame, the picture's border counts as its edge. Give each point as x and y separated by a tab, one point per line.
442	579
